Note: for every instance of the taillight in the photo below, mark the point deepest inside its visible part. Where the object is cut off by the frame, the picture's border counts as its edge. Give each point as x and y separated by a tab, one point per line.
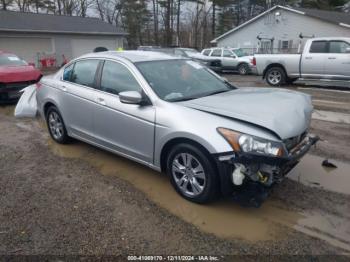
254	61
38	85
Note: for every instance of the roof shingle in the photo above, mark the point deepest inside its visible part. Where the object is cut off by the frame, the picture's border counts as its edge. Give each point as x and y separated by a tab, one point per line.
330	16
32	22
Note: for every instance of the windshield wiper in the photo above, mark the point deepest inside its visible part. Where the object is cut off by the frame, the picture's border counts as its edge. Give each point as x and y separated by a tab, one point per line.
198	96
217	92
183	99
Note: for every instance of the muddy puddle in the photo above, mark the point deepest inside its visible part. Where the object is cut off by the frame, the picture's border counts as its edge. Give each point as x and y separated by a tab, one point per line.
7	110
224	218
310	172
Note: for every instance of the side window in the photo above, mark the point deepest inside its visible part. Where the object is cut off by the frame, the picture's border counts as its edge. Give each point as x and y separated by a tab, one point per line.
318	47
216	52
227	53
117	78
338	47
67	73
206	52
179	53
84	72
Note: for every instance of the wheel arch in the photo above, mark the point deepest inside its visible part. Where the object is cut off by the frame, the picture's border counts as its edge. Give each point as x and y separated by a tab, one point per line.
274	65
47	105
166	149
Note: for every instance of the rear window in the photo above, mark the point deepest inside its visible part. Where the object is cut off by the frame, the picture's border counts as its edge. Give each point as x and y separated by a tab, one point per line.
84	72
318	47
206	52
11	60
216	52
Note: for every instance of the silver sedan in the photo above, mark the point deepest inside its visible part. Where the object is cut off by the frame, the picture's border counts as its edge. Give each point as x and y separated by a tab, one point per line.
178	117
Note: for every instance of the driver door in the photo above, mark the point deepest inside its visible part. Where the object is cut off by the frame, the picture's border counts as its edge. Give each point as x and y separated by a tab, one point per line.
126	128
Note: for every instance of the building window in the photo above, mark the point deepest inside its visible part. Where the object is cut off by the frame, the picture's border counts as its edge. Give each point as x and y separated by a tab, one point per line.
285	44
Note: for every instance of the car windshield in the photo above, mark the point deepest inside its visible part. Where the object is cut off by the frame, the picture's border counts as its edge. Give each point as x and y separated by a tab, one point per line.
239	52
191	51
11	60
180	80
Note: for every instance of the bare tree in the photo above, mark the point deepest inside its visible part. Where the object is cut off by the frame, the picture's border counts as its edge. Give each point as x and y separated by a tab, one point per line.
22	5
83	6
5	4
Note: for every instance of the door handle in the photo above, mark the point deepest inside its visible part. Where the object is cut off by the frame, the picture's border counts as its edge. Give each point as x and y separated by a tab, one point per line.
308	57
101	101
332	58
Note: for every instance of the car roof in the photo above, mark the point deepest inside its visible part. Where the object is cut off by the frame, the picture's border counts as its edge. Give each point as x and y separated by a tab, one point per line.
330	38
133	56
2	52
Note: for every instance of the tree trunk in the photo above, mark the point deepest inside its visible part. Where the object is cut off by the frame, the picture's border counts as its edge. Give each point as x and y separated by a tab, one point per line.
168	38
213	25
178	22
155	21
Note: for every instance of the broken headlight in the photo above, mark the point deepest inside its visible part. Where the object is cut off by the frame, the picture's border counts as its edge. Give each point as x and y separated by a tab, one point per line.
251	144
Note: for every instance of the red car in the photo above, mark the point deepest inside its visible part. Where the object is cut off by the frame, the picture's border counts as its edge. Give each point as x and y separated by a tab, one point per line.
15	74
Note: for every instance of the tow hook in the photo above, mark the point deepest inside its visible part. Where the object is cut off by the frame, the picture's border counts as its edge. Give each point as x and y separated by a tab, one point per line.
262	179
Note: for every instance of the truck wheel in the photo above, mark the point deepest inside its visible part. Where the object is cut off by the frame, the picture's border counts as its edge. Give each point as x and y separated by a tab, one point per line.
275	76
243	69
192	173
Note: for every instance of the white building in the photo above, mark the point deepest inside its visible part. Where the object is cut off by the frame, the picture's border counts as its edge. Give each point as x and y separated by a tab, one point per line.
30	35
279	28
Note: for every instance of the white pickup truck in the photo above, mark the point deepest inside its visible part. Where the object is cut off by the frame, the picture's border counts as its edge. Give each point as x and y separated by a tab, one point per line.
322	58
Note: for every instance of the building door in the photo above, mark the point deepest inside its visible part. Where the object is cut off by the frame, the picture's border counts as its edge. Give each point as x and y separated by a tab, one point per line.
27	48
85	46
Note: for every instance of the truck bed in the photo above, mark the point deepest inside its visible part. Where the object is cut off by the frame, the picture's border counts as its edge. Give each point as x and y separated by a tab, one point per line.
289	61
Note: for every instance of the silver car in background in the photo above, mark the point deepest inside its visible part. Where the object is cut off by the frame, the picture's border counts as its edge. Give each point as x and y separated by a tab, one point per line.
178	117
232	59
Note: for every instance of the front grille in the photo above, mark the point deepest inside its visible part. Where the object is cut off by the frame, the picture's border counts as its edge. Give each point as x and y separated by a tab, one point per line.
19	84
292	142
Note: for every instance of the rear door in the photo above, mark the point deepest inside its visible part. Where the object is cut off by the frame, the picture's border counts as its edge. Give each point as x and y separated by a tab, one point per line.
126	128
77	99
338	60
229	60
313	60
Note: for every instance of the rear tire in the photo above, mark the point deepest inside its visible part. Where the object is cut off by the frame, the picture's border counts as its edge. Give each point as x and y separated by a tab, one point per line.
275	76
243	69
192	173
56	126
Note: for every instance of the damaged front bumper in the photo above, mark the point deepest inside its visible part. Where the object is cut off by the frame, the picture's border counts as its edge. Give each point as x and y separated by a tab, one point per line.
254	174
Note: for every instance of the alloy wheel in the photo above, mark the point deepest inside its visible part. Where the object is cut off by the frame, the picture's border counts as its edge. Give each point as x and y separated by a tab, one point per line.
275	77
56	125
188	174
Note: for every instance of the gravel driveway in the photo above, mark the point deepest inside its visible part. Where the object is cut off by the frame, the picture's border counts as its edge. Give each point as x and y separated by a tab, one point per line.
79	200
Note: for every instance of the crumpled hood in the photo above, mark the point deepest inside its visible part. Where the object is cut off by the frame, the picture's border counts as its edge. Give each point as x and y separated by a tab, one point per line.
286	113
12	74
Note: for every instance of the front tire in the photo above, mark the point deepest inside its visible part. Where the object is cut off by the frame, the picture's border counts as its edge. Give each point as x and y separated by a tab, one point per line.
56	126
275	76
192	173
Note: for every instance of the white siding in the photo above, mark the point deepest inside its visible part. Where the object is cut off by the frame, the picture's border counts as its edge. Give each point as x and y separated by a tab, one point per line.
289	26
26	47
81	46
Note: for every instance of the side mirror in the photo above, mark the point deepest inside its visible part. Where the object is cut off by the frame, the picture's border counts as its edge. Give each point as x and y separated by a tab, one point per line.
130	97
347	50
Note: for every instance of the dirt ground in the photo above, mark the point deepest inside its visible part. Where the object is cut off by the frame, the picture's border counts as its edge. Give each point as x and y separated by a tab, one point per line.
79	200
